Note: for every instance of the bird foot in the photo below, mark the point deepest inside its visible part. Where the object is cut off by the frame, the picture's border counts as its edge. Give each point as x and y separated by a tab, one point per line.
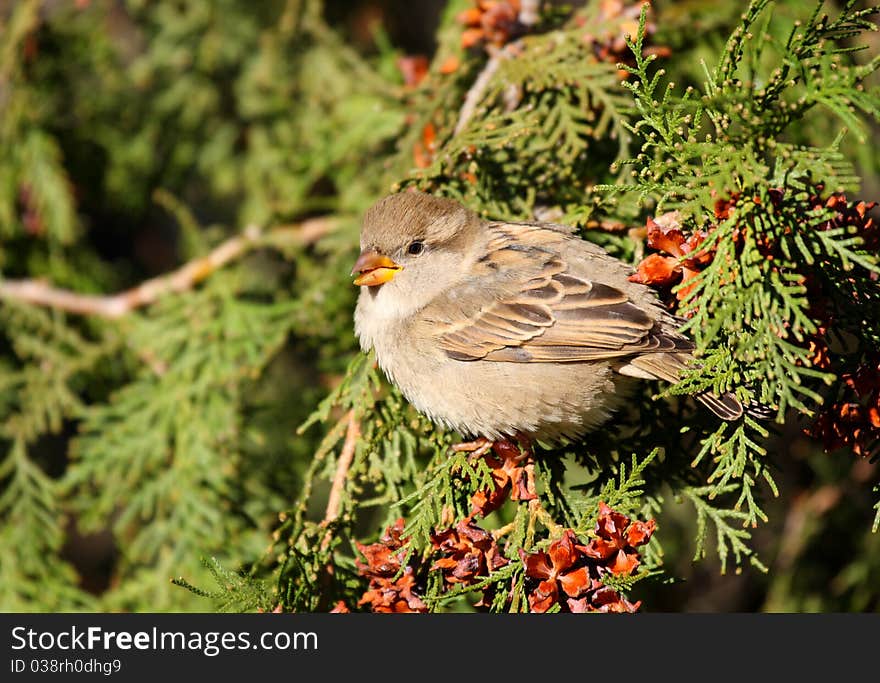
476	448
515	467
515	448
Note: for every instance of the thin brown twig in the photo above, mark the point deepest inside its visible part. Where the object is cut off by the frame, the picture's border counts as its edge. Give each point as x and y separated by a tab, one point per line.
476	92
41	293
346	456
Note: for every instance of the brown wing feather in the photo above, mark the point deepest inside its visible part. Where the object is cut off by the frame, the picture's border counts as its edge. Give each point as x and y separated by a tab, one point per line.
553	315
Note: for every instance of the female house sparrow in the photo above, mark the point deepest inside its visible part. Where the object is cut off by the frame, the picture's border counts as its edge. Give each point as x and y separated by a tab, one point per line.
501	330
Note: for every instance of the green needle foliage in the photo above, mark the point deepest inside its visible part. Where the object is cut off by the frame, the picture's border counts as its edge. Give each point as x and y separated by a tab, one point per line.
211	437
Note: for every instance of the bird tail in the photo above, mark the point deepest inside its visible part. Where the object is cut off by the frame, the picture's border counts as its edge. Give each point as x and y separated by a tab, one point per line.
668	367
726	406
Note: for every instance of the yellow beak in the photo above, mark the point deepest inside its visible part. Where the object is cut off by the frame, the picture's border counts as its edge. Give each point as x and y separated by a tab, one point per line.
374	269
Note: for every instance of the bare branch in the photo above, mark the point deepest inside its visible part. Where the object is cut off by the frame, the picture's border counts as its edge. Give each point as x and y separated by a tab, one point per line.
41	293
346	456
478	89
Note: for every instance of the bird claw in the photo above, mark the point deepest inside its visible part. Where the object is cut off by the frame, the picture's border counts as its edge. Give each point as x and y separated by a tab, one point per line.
516	448
477	447
512	466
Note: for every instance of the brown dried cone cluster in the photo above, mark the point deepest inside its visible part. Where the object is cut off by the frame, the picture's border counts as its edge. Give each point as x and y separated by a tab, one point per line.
853	419
606	32
681	255
495	23
413	68
491	22
683	260
467	553
570	574
390	590
847	213
513	474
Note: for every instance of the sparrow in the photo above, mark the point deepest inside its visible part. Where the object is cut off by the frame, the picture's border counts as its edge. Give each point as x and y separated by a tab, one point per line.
503	330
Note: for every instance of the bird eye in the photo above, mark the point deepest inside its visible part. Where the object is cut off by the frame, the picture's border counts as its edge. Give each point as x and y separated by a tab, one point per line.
415	248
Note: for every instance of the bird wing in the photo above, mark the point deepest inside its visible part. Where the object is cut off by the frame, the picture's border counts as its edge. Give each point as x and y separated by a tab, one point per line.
546	313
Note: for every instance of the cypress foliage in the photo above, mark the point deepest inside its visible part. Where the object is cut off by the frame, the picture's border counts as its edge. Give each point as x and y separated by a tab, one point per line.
213	421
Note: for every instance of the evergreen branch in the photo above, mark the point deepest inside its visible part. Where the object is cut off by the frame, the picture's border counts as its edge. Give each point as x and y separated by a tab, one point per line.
356	391
177	432
236	593
537	512
621	490
35	401
495	578
728	538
